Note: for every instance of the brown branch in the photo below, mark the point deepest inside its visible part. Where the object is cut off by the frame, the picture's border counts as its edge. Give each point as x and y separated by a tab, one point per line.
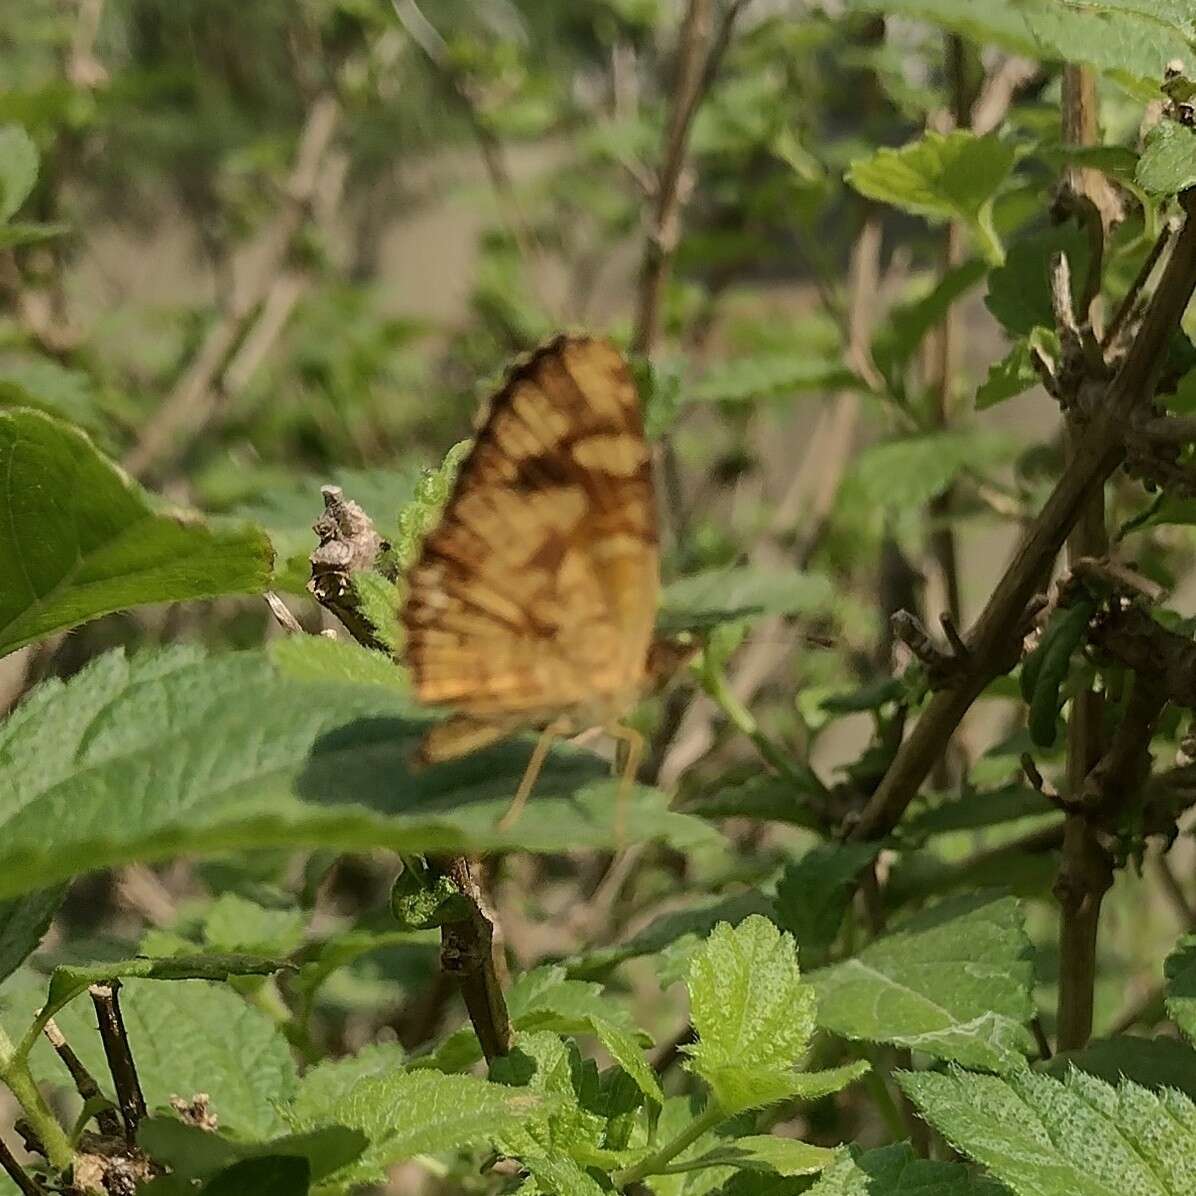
119	1054
424	34
468	952
994	639
84	1081
25	1182
190	404
469	949
1085	870
698	57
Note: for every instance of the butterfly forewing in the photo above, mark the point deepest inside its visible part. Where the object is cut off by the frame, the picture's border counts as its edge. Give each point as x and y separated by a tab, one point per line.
534	597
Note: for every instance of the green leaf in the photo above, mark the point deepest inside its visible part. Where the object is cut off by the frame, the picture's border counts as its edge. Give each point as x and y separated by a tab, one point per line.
170	752
907	326
746	379
814	892
18	169
1081	1137
41	382
235	924
904	474
744	592
23	923
1019	293
1010	376
670	929
1180	971
1168	162
407	1113
943	176
188	1037
763	797
897	1171
262	1177
318	658
752	1014
198	1154
1132	41
954	982
765	1152
323	1087
80	539
561	1175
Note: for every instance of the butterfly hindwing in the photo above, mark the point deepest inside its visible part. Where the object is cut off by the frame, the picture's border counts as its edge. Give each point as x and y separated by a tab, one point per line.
536	593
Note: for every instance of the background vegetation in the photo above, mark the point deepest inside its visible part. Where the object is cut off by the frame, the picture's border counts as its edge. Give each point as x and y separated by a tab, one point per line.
904	286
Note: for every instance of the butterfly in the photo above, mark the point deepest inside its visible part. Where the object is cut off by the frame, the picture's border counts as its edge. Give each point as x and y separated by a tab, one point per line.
533	601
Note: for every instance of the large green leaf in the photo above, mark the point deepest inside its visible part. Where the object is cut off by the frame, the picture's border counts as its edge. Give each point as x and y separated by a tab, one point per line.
1079	1137
1134	40
954	982
78	538
943	176
1154	1063
173	752
187	1037
407	1113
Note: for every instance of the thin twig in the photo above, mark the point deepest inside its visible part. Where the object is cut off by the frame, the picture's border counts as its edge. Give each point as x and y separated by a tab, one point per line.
424	34
19	1176
282	613
188	406
119	1054
84	1081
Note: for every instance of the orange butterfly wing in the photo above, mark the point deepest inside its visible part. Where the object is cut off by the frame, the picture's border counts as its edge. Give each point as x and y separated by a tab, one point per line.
535	596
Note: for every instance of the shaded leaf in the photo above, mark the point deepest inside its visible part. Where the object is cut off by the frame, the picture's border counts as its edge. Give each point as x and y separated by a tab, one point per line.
1180	970
18	169
1154	1063
814	892
897	1171
23	923
80	539
263	1177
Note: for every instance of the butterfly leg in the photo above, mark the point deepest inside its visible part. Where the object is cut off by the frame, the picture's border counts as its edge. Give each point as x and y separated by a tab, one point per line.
553	731
635	754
